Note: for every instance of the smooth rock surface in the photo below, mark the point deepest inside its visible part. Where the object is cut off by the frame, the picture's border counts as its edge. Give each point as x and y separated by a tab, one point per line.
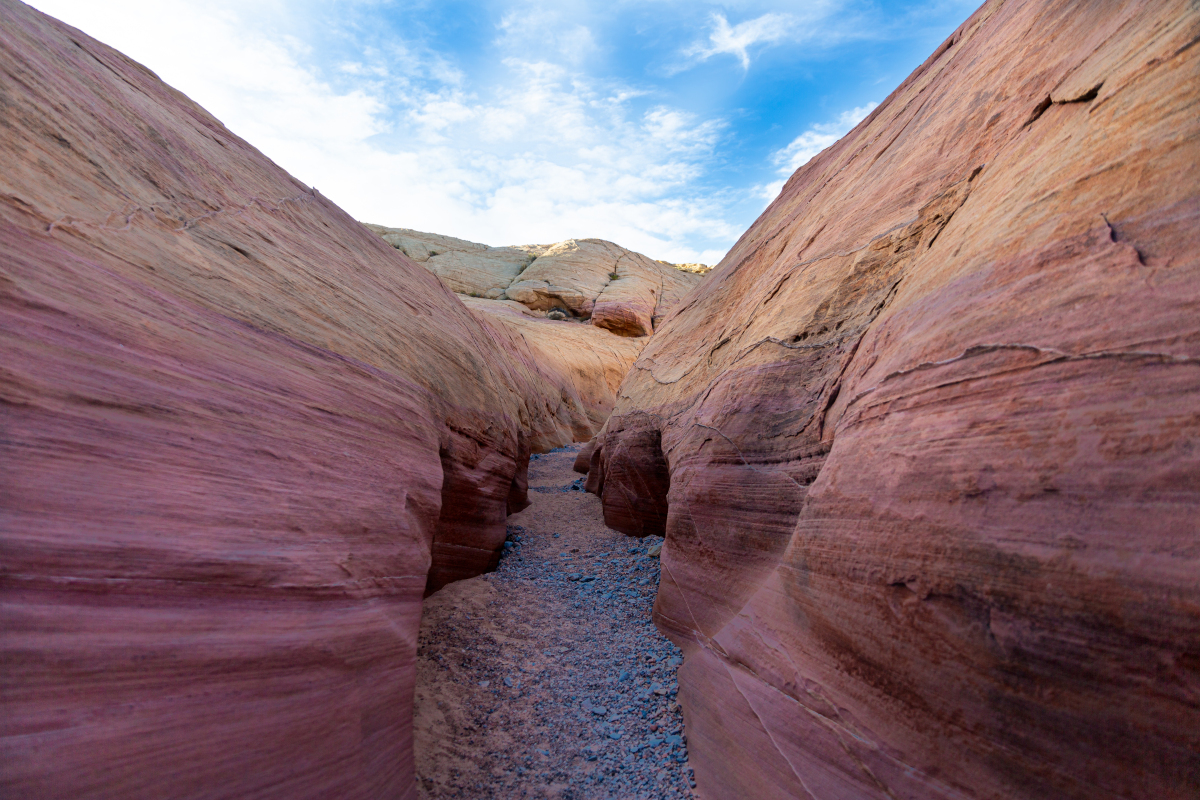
592	360
926	444
241	437
574	277
466	267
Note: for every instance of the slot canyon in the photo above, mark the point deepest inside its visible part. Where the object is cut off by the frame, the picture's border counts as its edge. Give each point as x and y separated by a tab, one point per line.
900	499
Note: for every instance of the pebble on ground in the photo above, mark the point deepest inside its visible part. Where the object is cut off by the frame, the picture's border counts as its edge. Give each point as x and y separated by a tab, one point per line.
547	678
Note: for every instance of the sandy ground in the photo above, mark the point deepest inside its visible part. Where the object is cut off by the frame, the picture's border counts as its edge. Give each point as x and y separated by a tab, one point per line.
547	678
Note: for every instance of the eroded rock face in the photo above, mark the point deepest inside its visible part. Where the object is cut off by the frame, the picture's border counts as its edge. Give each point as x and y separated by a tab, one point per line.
592	360
241	436
589	279
466	267
930	434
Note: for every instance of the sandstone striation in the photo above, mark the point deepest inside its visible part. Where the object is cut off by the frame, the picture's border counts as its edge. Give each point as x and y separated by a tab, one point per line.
466	267
242	436
587	279
592	360
926	444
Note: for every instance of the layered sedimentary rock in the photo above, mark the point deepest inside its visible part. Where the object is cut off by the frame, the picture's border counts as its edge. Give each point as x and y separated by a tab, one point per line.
585	279
926	444
622	294
593	361
241	437
466	267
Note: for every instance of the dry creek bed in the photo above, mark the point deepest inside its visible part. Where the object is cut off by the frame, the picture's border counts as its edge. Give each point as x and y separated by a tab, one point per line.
547	678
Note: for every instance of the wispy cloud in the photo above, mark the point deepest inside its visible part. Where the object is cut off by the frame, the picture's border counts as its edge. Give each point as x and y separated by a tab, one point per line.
818	24
809	144
549	31
541	151
510	121
736	40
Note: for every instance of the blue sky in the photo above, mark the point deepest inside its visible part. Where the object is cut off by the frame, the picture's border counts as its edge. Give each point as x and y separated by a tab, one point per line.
663	126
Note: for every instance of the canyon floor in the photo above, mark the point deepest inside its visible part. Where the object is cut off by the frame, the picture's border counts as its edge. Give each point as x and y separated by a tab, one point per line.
547	677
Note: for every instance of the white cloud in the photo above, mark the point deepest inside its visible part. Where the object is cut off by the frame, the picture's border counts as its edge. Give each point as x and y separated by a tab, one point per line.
817	24
737	39
808	144
546	31
769	191
399	136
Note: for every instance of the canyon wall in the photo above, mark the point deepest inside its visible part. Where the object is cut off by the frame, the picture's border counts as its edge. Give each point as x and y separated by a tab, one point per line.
926	444
586	306
592	360
241	436
591	280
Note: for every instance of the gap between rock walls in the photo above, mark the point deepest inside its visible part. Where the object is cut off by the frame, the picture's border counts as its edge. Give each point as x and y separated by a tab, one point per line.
927	437
547	677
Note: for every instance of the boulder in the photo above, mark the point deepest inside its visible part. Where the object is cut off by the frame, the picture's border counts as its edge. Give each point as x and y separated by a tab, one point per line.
616	288
583	460
466	267
924	444
242	437
588	279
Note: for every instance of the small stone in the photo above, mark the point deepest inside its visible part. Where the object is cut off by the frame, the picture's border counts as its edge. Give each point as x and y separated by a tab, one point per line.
508	681
556	536
485	684
654	551
614	734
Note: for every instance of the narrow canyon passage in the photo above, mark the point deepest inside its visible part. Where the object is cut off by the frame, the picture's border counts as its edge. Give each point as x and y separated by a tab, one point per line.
547	678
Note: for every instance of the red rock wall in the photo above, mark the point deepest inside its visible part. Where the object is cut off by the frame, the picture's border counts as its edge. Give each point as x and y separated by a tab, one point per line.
932	436
234	425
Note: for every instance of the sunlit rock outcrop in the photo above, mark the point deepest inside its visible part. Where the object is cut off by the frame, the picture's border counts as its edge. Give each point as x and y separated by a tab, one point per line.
592	360
241	437
586	306
925	444
584	279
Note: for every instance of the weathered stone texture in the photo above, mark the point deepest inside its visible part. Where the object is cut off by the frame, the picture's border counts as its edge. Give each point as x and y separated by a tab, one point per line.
239	435
575	277
932	437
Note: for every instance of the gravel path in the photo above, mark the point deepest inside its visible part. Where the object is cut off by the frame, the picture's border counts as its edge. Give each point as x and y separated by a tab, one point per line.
547	678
